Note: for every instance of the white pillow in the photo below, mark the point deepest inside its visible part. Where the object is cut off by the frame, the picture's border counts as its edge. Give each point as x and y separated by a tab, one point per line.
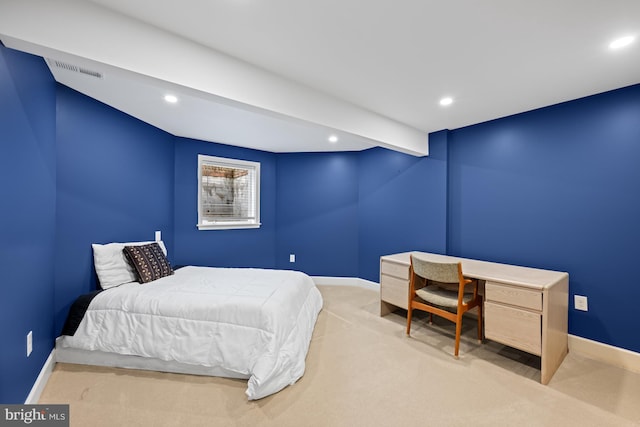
111	264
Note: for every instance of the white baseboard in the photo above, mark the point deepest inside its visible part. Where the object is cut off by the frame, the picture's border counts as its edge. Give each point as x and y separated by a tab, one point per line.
346	281
608	354
42	379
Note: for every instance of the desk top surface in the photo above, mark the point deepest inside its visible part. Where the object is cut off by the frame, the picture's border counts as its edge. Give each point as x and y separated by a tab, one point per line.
485	270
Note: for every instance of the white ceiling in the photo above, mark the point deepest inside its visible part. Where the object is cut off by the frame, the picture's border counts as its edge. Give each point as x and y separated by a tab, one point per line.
282	75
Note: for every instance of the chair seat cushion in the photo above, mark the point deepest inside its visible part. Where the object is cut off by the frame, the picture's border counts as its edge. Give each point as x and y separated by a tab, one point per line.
442	297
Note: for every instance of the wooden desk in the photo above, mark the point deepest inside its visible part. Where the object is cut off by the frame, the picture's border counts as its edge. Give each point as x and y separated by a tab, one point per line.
524	308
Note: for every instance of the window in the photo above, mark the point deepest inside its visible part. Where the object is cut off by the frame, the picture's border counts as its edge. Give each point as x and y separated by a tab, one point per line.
228	193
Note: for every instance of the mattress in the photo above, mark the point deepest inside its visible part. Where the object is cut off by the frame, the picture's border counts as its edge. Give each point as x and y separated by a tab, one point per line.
239	323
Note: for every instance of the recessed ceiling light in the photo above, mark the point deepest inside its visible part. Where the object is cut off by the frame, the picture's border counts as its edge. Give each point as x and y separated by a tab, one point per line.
171	99
333	139
446	101
621	42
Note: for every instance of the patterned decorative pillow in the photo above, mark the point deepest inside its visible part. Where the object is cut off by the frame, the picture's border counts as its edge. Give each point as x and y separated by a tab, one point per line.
112	266
148	261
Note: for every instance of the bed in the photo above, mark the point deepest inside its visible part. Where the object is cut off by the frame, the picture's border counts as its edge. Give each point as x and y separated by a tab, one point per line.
254	324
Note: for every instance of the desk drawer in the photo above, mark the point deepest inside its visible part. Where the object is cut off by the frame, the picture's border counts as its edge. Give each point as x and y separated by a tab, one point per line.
514	327
525	298
394	290
392	269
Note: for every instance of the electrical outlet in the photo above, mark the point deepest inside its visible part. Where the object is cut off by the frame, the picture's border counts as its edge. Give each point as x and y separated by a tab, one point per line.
292	257
158	236
580	303
29	343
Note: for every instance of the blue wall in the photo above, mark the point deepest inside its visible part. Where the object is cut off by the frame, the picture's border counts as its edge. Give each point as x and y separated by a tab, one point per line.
27	219
115	184
557	188
317	205
339	212
402	204
222	248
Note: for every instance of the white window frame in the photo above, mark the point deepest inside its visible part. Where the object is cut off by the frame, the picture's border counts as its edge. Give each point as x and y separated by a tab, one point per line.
223	223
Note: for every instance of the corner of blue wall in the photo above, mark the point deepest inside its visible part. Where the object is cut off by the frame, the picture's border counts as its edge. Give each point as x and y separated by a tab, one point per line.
27	219
115	184
402	203
317	206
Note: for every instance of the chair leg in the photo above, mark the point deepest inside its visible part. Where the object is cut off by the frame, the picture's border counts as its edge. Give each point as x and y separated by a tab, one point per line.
458	331
480	323
409	312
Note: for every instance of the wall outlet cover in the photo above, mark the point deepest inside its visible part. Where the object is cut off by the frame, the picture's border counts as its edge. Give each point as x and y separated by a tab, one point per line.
580	302
29	343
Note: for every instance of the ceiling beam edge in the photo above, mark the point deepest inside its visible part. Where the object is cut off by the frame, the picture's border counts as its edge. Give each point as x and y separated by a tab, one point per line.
93	32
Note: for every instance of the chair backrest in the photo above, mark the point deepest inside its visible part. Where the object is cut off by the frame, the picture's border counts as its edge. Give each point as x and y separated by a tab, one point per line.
436	271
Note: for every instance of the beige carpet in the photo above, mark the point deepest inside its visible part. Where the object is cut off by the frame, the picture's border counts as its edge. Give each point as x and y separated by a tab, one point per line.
363	371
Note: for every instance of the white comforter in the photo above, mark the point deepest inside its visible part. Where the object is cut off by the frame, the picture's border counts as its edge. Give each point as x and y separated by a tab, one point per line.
254	323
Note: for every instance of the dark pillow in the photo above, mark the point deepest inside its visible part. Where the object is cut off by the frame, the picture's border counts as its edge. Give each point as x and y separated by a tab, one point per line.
148	261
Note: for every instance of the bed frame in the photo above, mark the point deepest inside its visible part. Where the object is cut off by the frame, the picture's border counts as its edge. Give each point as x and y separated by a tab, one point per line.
113	360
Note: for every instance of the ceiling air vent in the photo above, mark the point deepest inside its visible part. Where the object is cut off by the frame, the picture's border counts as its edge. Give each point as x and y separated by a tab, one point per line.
90	72
73	68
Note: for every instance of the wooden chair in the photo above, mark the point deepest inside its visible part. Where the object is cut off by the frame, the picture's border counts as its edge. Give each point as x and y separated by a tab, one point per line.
428	292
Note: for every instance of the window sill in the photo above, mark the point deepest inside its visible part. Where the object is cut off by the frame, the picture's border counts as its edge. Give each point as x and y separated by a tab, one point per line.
227	226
